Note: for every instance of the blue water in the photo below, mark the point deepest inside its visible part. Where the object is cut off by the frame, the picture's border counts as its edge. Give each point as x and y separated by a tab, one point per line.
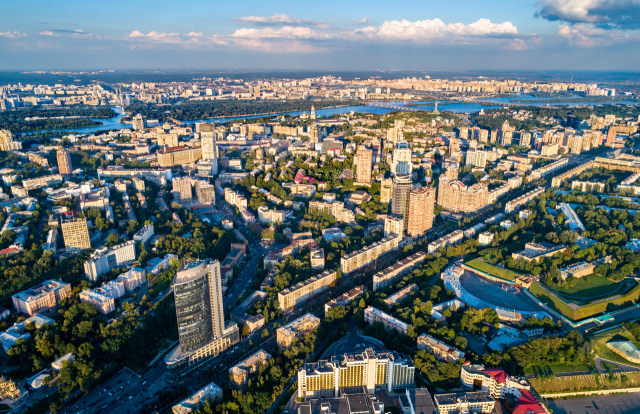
458	107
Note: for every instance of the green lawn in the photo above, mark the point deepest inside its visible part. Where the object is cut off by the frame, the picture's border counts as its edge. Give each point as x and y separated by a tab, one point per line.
492	270
556	369
554	303
608	365
588	287
599	341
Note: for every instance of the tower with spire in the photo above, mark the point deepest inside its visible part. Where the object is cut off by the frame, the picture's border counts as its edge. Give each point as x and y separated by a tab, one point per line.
435	110
313	112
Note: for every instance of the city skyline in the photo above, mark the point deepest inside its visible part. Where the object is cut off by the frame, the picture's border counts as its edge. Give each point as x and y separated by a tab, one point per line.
544	34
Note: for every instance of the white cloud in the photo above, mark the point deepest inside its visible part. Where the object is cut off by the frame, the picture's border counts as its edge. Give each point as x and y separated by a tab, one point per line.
609	14
48	33
12	34
280	20
585	35
165	37
364	20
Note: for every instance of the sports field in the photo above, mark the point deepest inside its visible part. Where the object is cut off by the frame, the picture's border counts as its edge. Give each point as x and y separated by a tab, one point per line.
590	286
492	270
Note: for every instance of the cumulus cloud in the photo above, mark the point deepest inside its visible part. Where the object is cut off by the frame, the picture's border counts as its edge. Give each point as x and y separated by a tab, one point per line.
65	32
48	33
279	20
606	14
364	20
586	35
11	34
160	37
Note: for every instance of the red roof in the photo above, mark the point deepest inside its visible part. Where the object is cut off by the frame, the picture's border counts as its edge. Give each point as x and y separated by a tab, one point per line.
528	404
498	374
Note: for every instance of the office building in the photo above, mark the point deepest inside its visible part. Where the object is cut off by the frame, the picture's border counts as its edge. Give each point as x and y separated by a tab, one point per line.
353	372
368	254
64	162
103	303
296	329
202	331
139	122
534	251
106	258
168	157
144	234
239	373
363	165
75	233
373	315
402	186
296	295
42	297
421	215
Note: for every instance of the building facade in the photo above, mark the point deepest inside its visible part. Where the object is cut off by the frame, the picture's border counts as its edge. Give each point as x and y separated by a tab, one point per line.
42	297
296	329
363	165
106	258
298	294
75	233
402	187
64	162
421	215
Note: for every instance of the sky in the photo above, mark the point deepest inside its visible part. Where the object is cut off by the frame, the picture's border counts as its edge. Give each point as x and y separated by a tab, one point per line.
330	34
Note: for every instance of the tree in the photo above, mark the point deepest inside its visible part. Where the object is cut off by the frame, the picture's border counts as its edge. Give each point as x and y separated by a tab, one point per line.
112	239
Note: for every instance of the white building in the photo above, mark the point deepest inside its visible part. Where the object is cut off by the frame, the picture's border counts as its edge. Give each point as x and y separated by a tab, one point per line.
105	259
485	238
211	392
144	234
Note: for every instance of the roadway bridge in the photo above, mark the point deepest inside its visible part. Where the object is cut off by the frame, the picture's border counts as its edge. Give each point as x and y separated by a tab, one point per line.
398	108
498	103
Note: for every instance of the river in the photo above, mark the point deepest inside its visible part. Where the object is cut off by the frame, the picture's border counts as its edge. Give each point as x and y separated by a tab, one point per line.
457	107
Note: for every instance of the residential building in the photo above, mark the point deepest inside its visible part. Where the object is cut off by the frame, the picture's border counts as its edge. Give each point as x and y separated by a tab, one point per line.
587	186
513	205
546	170
439	349
202	331
211	392
75	233
239	373
477	158
139	123
443	242
368	370
64	162
494	381
144	234
296	329
106	258
208	137
168	157
401	189
294	296
400	295
533	251
42	297
367	255
59	363
181	189
402	164
167	139
386	190
7	143
574	172
133	278
267	216
393	226
453	195
421	211
317	258
486	238
44	181
465	402
363	165
345	298
103	303
336	209
373	315
386	276
571	218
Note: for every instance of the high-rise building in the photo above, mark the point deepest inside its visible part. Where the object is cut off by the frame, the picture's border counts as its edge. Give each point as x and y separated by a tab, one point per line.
401	164
363	165
312	115
313	134
7	143
525	139
205	192
453	195
64	162
208	140
421	205
139	122
477	158
181	188
200	313
76	233
400	197
463	132
611	136
386	188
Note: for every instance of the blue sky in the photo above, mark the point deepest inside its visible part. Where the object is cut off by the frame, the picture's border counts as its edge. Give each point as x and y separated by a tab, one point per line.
426	34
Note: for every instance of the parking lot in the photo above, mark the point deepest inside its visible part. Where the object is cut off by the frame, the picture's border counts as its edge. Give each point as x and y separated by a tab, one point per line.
600	404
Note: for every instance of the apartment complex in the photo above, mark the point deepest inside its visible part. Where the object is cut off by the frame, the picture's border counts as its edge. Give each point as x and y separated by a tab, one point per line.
39	182
421	205
75	233
202	330
267	216
367	255
103	303
386	276
547	169
513	205
205	192
345	298
439	349
106	258
574	172
477	158
369	370
239	373
443	242
373	315
7	143
454	196
64	162
298	294
42	297
335	209
296	329
400	295
363	165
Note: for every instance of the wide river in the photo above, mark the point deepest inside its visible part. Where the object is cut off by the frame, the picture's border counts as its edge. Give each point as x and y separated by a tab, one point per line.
458	107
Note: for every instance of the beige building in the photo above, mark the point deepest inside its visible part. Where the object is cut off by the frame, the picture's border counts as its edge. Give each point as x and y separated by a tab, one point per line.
44	181
373	315
298	294
181	188
336	209
167	139
450	239
363	165
103	303
363	257
453	195
205	192
296	329
368	369
317	258
386	276
267	216
239	373
76	233
42	297
421	205
179	156
64	162
439	349
386	189
465	402
7	143
393	226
